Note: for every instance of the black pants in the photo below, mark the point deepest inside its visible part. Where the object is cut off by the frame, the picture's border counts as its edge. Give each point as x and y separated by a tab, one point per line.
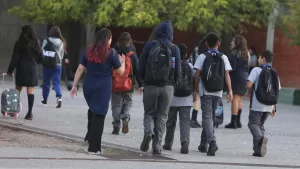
95	134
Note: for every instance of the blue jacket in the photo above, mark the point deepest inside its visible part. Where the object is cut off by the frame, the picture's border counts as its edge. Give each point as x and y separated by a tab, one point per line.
164	34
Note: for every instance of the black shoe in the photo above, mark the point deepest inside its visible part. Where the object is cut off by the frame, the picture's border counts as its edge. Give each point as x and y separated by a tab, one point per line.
231	125
184	148
195	124
167	147
44	102
59	102
203	148
239	124
262	144
28	116
213	148
156	152
116	131
256	155
125	128
145	143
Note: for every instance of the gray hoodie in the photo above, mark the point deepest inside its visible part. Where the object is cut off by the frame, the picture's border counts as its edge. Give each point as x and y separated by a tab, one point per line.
59	47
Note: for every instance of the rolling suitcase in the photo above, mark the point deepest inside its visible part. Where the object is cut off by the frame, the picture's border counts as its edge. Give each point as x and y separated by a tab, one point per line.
219	115
10	101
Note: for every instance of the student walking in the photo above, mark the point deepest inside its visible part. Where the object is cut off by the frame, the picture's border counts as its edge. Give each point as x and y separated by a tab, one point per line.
182	103
54	48
211	64
25	58
264	84
239	61
159	68
99	60
123	86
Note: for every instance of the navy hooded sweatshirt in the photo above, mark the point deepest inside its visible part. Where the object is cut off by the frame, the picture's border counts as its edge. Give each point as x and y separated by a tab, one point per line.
164	34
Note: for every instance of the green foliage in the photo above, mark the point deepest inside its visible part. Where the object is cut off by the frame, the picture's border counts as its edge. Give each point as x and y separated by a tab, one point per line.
290	22
217	15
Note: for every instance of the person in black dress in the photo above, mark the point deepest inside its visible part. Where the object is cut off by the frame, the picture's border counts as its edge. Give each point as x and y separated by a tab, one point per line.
239	60
25	58
99	60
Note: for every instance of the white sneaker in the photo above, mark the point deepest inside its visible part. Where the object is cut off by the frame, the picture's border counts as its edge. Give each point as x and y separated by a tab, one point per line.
58	103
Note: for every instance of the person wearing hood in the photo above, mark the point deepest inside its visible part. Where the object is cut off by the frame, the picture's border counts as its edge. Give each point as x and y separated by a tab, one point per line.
159	68
59	43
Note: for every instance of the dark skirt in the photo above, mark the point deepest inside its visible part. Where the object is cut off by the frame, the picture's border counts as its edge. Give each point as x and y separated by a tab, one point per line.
239	82
27	74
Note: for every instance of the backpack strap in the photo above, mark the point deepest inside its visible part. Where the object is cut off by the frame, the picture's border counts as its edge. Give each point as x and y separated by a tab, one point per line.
129	54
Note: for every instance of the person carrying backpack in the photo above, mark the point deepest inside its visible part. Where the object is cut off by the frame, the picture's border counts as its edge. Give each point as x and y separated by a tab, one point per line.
122	86
212	70
264	84
54	48
159	68
182	103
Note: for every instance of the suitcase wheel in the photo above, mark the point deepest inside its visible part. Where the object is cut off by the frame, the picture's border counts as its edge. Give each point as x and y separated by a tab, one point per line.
4	114
15	115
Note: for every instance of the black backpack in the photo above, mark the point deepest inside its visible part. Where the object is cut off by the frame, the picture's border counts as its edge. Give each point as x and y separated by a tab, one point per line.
158	68
184	86
213	72
267	90
50	56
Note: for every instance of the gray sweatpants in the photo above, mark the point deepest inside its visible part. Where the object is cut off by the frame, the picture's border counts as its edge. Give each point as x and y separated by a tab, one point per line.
184	120
256	125
157	101
208	106
121	104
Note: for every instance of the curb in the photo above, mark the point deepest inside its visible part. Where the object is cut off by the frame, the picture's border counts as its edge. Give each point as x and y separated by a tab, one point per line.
69	137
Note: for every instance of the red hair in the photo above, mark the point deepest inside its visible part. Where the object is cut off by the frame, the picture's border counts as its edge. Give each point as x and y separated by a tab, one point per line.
99	49
98	52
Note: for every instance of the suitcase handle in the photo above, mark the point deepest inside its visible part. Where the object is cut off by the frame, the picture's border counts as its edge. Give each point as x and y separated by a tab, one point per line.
5	74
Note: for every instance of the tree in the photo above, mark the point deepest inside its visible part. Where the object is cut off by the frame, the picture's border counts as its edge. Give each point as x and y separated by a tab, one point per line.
289	20
217	15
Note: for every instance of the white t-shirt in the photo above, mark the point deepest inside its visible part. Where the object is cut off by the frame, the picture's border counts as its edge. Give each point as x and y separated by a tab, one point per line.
184	101
199	65
256	105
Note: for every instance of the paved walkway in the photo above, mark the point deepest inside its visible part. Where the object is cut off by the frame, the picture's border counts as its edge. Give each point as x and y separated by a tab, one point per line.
235	146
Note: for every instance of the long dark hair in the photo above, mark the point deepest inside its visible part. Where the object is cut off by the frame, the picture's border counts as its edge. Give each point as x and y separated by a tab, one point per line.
56	32
241	46
28	42
99	49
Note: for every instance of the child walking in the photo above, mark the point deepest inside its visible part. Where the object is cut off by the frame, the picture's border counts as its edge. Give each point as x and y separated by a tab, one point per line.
121	99
263	100
182	103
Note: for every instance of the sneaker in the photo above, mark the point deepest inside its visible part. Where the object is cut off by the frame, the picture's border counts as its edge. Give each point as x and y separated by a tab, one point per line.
58	103
116	131
94	153
125	128
44	102
167	147
203	148
184	148
156	152
263	146
256	155
28	116
213	148
195	124
145	143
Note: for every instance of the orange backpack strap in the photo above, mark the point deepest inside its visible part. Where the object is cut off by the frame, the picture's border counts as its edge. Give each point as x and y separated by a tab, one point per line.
129	55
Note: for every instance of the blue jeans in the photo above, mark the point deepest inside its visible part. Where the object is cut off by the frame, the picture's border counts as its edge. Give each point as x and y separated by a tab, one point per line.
53	74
